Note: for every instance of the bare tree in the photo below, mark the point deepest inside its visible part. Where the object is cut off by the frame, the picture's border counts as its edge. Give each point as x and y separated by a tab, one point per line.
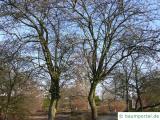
110	34
149	91
126	71
17	86
110	31
42	21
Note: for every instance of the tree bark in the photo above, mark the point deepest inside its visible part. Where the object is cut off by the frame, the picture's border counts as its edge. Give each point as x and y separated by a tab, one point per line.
55	95
127	97
7	106
139	100
52	109
8	100
92	103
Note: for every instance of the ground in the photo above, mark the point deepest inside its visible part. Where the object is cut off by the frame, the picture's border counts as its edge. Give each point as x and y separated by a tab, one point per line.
43	116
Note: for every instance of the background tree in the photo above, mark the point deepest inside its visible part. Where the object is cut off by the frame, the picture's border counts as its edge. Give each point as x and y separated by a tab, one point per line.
17	84
150	91
139	83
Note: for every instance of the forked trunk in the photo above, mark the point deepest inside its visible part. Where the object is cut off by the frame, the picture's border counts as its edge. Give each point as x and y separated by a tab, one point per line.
140	104
92	103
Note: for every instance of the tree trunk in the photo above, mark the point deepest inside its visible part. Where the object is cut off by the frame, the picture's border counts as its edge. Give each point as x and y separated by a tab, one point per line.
52	109
55	95
8	103
140	104
92	103
127	105
127	97
139	99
